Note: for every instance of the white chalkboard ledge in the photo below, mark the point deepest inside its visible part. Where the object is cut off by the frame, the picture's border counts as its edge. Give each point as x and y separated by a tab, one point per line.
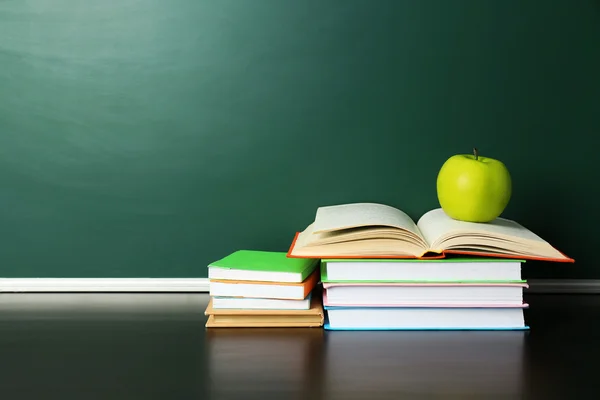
99	285
199	285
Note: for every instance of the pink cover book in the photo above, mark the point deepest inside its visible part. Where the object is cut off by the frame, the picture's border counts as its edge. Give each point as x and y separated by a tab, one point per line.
326	301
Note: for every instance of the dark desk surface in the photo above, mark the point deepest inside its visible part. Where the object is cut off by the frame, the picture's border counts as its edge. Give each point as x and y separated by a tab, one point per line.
155	346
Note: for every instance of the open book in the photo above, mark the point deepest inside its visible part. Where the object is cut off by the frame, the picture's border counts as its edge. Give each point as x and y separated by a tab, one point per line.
368	230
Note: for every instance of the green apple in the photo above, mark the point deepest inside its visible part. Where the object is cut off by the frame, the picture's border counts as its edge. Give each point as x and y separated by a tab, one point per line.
473	188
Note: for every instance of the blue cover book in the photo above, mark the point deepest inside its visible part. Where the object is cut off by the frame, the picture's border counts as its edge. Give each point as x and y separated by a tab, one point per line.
433	318
328	327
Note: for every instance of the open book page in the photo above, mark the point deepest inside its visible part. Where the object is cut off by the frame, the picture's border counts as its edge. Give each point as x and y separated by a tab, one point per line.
355	215
368	241
435	224
502	235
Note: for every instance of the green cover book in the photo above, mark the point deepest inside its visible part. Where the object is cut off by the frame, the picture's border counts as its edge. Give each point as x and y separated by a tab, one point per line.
268	266
454	270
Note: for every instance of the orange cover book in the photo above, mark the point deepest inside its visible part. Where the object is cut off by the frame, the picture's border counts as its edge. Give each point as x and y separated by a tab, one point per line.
369	230
313	317
265	290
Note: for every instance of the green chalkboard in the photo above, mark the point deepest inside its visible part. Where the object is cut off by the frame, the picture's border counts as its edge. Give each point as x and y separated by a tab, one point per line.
148	138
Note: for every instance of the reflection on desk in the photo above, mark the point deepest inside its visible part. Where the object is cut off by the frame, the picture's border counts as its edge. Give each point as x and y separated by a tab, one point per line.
319	364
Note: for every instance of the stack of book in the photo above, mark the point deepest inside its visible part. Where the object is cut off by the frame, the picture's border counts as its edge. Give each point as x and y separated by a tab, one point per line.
263	289
423	294
380	270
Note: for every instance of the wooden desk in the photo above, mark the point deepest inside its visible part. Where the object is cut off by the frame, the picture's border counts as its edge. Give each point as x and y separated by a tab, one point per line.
155	346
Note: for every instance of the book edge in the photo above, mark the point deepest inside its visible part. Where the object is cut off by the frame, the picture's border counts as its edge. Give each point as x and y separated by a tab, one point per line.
442	255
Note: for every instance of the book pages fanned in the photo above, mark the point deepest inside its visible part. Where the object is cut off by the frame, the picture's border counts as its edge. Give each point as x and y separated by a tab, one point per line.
367	230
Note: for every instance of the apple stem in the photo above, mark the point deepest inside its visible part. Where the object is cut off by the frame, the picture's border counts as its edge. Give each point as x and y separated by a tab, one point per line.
475	152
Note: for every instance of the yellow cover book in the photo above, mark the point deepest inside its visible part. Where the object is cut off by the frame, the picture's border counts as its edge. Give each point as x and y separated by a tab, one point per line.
232	318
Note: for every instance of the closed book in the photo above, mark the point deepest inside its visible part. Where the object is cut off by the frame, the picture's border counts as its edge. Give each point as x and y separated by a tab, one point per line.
481	270
265	290
500	295
264	266
313	317
249	303
385	318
